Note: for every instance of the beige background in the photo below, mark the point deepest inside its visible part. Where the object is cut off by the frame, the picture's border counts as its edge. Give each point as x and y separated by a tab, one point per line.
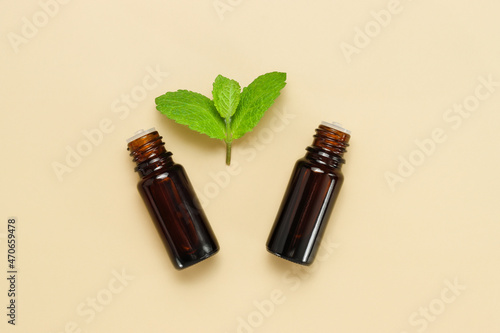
391	251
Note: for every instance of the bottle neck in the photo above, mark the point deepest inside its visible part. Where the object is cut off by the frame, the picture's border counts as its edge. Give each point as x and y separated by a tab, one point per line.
328	147
149	152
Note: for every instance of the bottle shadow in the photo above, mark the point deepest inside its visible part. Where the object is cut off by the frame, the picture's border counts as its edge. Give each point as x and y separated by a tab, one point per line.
197	271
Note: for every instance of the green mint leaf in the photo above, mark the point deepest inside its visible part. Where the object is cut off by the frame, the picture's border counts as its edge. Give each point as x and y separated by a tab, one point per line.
192	109
231	114
227	94
255	100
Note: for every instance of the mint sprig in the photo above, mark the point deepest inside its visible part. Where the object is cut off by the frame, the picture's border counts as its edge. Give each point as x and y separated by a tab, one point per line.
230	114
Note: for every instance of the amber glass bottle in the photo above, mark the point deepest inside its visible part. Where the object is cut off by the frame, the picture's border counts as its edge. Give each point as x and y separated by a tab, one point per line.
171	201
310	196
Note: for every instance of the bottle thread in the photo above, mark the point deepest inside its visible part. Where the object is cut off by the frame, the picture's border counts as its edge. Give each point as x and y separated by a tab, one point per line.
150	154
328	147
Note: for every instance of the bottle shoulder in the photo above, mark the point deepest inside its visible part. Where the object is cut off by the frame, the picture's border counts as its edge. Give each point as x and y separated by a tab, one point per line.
318	167
161	174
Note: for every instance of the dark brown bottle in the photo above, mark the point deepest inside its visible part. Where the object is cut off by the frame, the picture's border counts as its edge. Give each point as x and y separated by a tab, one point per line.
171	201
310	196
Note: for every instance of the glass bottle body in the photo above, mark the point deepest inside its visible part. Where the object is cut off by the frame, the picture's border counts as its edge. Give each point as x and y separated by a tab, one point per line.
309	198
174	207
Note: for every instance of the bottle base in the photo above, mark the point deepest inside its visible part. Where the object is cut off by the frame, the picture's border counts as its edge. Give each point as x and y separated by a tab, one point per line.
291	259
181	266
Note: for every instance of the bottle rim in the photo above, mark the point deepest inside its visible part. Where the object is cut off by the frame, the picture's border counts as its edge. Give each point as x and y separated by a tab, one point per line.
140	133
337	126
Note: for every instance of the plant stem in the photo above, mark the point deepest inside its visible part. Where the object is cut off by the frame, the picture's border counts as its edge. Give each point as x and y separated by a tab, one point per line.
229	140
228	153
